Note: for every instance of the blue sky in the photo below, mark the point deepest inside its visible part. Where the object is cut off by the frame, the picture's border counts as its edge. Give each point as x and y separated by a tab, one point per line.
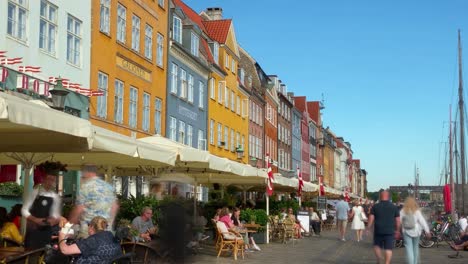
387	70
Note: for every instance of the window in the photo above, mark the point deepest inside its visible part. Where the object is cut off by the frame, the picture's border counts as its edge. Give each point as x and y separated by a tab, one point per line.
226	137
211	83
102	100
237	139
160	51
226	60
233	66
174	72
242	76
118	101
250	145
157	116
194	44
17	19
244	108
104	25
181	132
177	29
233	148
190	88
220	134
183	83
233	101
172	128
48	27
226	97
250	110
136	33
132	117
201	94
216	52
242	141
148	42
238	105
220	91
189	135
212	131
201	140
73	41
161	3
121	22
146	112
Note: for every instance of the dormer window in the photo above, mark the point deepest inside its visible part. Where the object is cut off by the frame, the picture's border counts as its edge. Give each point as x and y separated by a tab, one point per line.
216	52
177	29
242	76
194	44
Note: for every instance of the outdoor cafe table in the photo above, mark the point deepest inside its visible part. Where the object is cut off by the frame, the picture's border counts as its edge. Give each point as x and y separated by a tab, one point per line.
7	252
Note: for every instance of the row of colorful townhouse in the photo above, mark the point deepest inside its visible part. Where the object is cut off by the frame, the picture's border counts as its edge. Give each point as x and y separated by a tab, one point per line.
163	68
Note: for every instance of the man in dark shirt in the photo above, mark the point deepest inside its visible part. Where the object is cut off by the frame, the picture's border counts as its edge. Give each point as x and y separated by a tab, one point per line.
387	225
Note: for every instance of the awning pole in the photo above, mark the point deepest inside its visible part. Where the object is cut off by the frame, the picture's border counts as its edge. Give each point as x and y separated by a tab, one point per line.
268	214
27	189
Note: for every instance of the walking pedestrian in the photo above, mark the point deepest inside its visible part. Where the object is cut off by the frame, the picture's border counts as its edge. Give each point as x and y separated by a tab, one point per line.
96	198
358	221
413	223
342	214
387	225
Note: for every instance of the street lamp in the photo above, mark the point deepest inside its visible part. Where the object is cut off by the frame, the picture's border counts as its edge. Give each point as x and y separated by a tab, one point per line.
58	95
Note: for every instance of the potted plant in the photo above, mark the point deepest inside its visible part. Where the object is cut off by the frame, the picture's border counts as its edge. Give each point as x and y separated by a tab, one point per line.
10	189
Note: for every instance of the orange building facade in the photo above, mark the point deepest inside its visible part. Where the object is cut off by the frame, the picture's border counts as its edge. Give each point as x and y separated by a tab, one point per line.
128	63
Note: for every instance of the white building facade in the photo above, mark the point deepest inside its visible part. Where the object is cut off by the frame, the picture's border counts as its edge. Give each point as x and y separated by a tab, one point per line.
54	35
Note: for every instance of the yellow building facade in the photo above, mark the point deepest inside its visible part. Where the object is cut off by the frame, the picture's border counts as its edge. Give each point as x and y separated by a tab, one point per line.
128	63
227	109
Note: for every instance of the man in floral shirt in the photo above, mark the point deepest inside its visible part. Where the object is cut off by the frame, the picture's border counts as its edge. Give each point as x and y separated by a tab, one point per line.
96	198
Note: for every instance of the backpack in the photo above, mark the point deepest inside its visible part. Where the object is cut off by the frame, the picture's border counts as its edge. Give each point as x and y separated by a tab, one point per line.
408	221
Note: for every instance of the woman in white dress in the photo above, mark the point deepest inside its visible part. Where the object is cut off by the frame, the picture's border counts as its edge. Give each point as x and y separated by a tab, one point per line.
358	223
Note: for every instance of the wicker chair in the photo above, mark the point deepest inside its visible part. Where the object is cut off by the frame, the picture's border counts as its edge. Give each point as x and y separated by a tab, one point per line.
33	256
289	231
229	241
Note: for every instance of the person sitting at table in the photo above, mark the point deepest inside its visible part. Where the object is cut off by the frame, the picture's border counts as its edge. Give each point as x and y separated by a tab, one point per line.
283	214
99	247
297	224
248	239
15	215
216	216
144	224
314	221
8	229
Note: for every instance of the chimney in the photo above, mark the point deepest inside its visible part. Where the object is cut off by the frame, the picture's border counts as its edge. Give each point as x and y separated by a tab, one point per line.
215	13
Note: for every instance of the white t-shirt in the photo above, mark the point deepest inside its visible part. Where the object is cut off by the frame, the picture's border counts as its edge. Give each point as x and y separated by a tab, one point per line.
463	222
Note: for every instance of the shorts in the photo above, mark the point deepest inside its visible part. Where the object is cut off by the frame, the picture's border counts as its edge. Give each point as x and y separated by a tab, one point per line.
386	242
342	223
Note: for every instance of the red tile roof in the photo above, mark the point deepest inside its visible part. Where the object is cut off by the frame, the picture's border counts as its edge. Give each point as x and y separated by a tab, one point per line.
300	103
314	110
218	29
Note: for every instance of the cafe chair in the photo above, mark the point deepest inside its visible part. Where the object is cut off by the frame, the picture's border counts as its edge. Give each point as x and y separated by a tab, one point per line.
229	241
7	242
33	256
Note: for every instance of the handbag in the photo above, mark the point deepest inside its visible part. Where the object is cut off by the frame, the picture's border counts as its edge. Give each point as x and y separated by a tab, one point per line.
362	216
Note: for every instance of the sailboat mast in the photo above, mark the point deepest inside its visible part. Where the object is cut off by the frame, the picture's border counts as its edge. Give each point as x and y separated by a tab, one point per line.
455	154
452	185
462	123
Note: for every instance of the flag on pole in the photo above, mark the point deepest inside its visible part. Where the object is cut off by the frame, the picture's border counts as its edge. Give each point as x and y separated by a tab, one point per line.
301	182
346	195
53	80
2	53
321	187
270	179
8	61
4	74
33	69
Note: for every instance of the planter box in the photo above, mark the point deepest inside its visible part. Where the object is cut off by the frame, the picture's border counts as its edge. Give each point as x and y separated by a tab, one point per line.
260	237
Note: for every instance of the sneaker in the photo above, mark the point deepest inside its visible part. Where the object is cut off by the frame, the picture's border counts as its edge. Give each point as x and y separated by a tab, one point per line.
256	247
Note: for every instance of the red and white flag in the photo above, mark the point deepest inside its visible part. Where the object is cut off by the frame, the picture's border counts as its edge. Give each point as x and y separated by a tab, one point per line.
8	61
2	53
346	195
24	82
270	179
33	69
4	74
321	186
301	182
36	85
55	79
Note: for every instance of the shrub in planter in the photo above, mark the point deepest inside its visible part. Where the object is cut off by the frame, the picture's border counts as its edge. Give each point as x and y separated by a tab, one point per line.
11	189
131	207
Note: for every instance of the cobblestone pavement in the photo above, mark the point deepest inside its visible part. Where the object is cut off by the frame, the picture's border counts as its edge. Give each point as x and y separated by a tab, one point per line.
325	249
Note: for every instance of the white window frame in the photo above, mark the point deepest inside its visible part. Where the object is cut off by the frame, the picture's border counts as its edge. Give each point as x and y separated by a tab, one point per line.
212	122
221	85
226	96
74	28
17	19
104	22
118	100
103	84
237	139
233	66
190	88
157	115
238	105
216	52
194	44
226	137
189	135
211	83
121	23
226	60
244	108
183	84
177	29
160	51
233	142
173	128
47	40
148	42
233	101
133	108
174	79
220	134
146	112
136	33
181	135
161	3
200	139
201	95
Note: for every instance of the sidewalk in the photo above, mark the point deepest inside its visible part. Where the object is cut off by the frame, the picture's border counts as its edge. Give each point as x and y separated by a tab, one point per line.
325	249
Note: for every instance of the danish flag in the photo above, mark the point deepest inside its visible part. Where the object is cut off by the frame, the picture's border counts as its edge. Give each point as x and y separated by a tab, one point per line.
270	179
301	182
54	80
8	61
4	74
322	188
29	69
2	53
